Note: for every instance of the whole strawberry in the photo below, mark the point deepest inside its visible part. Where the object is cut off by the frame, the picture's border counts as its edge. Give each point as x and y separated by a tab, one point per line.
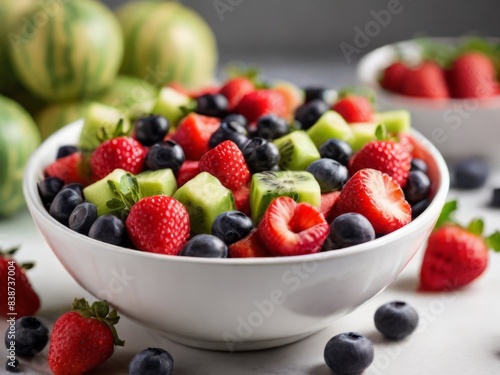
83	338
120	152
235	89
158	224
387	156
354	108
262	102
425	81
455	256
393	76
25	301
227	163
472	75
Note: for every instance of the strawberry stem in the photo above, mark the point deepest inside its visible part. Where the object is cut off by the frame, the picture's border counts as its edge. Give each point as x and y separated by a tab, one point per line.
476	226
9	252
493	241
445	216
381	133
125	196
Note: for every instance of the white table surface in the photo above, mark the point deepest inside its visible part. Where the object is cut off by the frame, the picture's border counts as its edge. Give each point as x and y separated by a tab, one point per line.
459	333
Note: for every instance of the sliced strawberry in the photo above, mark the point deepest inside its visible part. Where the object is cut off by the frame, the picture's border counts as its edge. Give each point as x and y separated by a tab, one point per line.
242	199
328	201
189	169
193	134
376	196
71	168
260	103
227	163
354	109
249	247
235	89
291	228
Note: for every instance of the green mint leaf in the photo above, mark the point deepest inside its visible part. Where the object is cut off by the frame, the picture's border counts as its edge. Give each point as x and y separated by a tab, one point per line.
445	216
493	241
476	226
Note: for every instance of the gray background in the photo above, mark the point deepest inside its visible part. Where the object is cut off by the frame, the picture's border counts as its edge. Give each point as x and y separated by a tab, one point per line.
283	35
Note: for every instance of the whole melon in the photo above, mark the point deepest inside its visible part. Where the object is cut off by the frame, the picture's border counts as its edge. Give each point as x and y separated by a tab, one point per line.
19	136
167	42
67	50
54	116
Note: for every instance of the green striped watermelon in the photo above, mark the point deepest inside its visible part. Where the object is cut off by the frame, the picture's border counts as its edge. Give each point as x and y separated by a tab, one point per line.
55	116
166	42
18	138
73	53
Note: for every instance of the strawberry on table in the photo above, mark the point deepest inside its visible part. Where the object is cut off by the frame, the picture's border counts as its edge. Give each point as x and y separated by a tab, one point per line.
193	134
71	168
455	256
376	196
83	338
235	89
262	102
291	228
354	108
393	76
227	163
26	301
425	81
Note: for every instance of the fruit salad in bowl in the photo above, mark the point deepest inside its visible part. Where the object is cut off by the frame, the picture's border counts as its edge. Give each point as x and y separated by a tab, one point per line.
244	217
450	86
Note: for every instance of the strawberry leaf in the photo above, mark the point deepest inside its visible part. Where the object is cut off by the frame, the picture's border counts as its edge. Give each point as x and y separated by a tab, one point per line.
381	132
493	241
9	252
476	226
445	216
27	266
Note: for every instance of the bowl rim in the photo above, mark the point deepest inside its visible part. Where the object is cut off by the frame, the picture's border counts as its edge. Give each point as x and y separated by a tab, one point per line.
366	61
33	174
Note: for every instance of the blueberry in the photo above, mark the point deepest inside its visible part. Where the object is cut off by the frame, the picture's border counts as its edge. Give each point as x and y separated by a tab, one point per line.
232	226
307	114
63	205
109	229
351	229
419	207
417	187
330	174
471	173
76	187
349	353
240	119
82	217
313	93
151	129
204	246
261	155
396	320
214	105
337	150
12	366
48	189
166	154
419	165
151	361
271	127
229	131
67	150
30	335
495	201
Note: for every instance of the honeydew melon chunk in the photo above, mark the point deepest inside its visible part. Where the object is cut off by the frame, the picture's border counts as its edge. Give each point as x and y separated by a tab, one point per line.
363	132
301	186
99	192
397	121
296	150
169	105
100	120
159	182
330	125
204	198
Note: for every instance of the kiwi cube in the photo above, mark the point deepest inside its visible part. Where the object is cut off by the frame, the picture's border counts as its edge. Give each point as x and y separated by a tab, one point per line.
296	150
330	125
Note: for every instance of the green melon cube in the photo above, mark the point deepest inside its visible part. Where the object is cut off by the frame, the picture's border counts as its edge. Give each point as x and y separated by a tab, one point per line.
99	192
169	103
159	182
395	121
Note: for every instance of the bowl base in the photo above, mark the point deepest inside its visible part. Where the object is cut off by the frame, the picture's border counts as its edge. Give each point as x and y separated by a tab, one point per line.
239	346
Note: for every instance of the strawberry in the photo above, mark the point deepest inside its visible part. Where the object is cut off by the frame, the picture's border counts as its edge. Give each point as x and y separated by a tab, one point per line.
393	76
193	134
188	170
83	338
425	81
71	168
455	256
235	89
26	301
291	228
376	196
242	199
328	201
354	108
121	152
158	224
227	163
193	93
385	156
294	96
472	75
261	102
249	247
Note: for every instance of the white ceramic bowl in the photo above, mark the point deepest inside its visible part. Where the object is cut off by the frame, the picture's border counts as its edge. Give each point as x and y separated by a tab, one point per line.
457	127
232	304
